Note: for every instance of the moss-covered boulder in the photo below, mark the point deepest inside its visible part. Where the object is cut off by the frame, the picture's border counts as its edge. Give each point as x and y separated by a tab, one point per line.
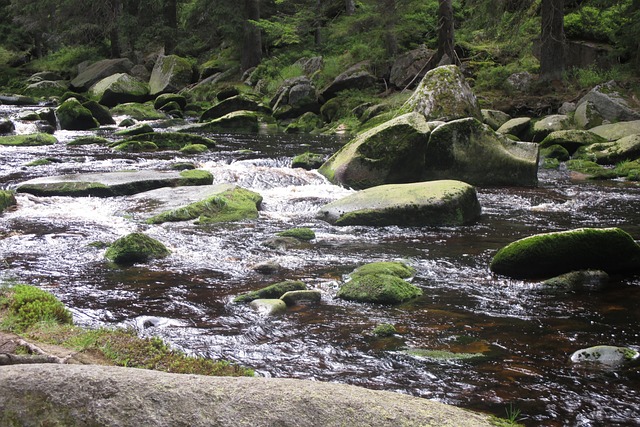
615	131
112	183
393	268
229	105
170	74
173	140
587	116
610	153
99	112
73	116
119	89
295	97
571	140
590	169
268	307
308	161
443	94
30	140
301	233
237	121
227	203
378	289
433	203
138	111
98	71
470	151
301	297
577	280
390	153
543	127
358	76
167	98
45	88
276	290
555	152
135	147
135	248
137	129
494	118
518	127
194	149
546	255
306	123
605	355
88	140
7	199
607	101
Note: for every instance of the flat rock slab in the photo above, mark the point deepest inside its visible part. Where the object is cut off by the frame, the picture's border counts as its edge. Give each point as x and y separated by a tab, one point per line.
432	203
155	202
112	183
76	395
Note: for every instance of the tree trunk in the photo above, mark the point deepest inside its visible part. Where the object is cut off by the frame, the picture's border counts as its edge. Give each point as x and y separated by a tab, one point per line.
446	41
252	40
552	40
170	12
318	23
388	10
350	7
114	31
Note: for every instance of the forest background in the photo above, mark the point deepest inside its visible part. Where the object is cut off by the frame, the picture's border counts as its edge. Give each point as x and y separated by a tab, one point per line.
492	40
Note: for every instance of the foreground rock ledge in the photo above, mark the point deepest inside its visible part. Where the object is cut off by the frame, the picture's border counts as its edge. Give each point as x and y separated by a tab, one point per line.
76	395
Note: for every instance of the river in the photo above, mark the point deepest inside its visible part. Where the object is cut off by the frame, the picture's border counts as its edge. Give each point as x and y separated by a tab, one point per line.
525	334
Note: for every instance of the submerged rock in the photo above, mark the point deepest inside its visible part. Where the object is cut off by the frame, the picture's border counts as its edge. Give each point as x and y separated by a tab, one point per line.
390	153
30	140
135	248
605	355
470	151
577	280
549	254
112	183
276	290
433	203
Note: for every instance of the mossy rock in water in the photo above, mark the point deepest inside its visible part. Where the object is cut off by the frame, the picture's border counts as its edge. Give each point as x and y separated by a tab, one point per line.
88	140
609	153
30	140
392	268
135	248
577	280
134	130
384	330
100	112
591	169
167	98
301	297
605	355
138	111
433	203
237	121
194	149
268	306
308	161
392	152
301	233
7	199
555	152
234	204
173	140
550	254
571	140
441	354
276	290
73	116
378	289
43	162
136	147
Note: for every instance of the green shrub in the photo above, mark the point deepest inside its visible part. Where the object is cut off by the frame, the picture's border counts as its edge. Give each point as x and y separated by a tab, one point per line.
28	305
66	59
586	78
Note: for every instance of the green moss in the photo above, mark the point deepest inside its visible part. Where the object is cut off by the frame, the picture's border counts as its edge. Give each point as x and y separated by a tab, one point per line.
138	111
555	152
136	146
135	130
173	140
545	255
134	248
384	330
299	233
592	169
73	116
379	289
397	269
195	177
441	354
194	149
72	189
549	163
87	140
307	161
273	291
7	198
31	140
27	305
232	205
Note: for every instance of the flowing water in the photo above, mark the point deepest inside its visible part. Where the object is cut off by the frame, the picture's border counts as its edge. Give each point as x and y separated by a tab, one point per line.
525	334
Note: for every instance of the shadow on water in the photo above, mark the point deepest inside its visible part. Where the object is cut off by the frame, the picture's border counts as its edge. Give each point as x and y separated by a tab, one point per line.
522	337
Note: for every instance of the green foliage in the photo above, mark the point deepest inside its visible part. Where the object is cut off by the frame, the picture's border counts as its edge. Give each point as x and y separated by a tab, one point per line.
66	59
595	22
27	305
384	330
586	78
302	233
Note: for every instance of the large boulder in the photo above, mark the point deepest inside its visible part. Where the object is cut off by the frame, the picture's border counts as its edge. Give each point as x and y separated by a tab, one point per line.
77	395
28	140
409	68
74	116
494	118
548	124
610	153
607	103
357	76
6	126
615	131
138	111
237	121
470	151
99	112
119	89
443	95
433	203
518	127
135	248
46	88
380	283
112	183
390	153
571	140
229	105
550	254
170	74
295	97
98	71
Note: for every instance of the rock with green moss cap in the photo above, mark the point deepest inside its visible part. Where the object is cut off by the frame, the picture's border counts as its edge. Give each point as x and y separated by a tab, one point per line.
307	161
73	116
194	149
138	111
571	139
30	140
135	248
306	123
494	118
610	153
136	147
112	183
173	140
384	330
444	94
615	131
390	153
268	307
7	199
99	112
301	297
393	268
170	74
229	105
433	203
88	140
378	289
119	88
301	233
605	356
276	290
518	126
167	98
470	151
577	280
549	254
237	121
208	204
592	170
137	129
555	152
